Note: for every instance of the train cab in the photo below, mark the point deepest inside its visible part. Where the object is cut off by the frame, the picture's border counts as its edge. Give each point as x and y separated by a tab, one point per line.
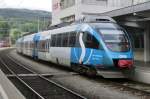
117	45
102	45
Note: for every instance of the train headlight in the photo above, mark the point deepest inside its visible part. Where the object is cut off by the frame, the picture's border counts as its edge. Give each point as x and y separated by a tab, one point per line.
125	63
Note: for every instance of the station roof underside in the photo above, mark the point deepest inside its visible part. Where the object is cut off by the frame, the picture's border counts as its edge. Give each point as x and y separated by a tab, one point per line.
141	9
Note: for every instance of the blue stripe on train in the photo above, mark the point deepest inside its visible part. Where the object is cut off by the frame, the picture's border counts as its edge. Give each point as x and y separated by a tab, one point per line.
36	39
92	57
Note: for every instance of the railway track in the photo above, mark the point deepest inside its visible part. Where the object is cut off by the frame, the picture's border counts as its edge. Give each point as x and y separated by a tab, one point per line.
34	85
125	85
138	89
30	78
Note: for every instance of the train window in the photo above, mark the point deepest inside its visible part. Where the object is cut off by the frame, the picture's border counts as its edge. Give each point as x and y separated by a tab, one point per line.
90	41
49	42
43	45
53	40
115	40
77	44
65	40
72	39
39	46
59	39
47	45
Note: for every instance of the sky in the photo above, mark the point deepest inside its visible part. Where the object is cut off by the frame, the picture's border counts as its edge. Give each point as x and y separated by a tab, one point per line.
28	4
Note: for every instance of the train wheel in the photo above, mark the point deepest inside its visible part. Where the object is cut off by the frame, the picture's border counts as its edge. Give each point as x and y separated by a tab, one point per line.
91	72
74	68
79	69
84	70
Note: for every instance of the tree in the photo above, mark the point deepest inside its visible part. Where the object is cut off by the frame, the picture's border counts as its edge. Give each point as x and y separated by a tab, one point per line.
4	28
15	34
29	27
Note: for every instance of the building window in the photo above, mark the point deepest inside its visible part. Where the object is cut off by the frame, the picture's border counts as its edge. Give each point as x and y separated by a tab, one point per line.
68	19
95	2
66	3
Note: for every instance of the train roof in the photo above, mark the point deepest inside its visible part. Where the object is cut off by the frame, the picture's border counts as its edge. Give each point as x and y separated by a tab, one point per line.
19	40
44	35
89	21
28	37
64	29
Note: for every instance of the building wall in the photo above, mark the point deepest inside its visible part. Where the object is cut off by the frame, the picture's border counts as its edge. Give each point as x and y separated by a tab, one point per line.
77	9
57	16
65	9
66	3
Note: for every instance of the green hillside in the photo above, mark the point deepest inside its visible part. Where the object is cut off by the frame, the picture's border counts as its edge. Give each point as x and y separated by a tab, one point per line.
24	14
15	22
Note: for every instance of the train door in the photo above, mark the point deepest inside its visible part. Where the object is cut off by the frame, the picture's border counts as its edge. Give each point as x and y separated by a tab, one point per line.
75	48
94	53
36	39
35	50
88	50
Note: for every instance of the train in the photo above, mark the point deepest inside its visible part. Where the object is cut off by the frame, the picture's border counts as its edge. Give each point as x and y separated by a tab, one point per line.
4	43
92	46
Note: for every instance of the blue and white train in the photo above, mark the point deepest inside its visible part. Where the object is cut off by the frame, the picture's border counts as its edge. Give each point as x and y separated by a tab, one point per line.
94	47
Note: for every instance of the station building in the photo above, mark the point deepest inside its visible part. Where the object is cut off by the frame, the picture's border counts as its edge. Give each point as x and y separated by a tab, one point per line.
70	10
131	14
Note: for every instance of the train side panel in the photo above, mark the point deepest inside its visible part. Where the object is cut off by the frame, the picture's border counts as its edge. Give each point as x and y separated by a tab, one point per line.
60	55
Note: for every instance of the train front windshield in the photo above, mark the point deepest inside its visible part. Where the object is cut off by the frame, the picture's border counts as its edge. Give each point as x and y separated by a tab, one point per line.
114	37
115	40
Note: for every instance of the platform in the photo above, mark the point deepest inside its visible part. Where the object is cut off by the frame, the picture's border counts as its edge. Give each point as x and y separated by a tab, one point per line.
7	89
140	73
